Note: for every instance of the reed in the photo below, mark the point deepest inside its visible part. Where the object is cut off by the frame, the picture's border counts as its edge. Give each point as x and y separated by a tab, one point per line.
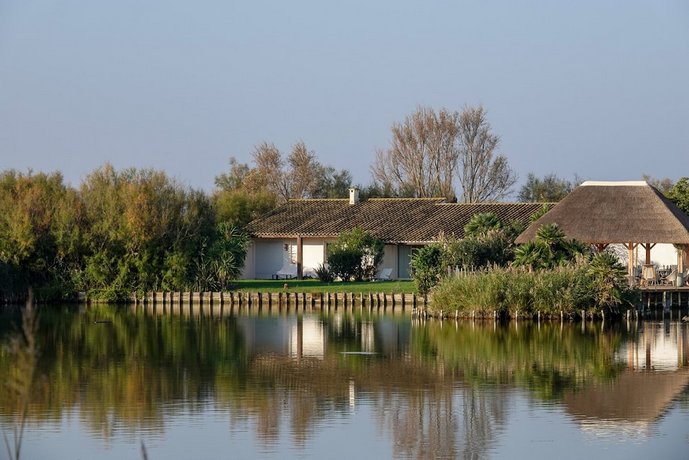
569	289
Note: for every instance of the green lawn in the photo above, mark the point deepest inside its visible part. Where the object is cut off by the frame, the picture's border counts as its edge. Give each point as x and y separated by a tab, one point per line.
398	287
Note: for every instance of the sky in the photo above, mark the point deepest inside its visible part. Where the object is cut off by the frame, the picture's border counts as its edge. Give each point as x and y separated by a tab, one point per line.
595	88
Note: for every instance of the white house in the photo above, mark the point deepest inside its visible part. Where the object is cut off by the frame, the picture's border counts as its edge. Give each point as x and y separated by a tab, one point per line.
292	240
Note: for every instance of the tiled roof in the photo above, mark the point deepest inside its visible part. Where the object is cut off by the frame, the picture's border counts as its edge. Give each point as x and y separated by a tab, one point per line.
390	219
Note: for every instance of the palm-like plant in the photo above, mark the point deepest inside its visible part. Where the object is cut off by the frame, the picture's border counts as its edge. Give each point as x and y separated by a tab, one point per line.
609	279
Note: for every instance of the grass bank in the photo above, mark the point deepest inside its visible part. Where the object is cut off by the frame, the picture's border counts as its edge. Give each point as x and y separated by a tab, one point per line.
312	285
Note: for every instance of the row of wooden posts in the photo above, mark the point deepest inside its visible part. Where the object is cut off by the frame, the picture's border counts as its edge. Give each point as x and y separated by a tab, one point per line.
377	300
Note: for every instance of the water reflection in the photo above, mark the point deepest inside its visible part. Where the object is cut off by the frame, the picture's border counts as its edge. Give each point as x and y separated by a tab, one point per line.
431	389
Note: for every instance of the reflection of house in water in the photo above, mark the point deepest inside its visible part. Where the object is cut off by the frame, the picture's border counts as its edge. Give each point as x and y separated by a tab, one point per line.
295	336
306	336
657	373
661	346
392	337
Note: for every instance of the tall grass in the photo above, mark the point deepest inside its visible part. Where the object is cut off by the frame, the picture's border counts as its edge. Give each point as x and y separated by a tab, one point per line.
568	289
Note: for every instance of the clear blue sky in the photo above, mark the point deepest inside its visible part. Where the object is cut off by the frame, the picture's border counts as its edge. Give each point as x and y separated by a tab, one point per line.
599	88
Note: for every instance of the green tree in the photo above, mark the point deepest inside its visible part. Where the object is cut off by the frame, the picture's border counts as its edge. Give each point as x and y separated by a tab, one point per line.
482	223
549	189
609	280
679	194
355	254
40	233
549	249
426	267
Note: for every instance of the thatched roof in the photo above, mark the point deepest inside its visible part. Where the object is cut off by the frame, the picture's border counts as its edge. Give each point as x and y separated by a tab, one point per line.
395	220
633	396
616	212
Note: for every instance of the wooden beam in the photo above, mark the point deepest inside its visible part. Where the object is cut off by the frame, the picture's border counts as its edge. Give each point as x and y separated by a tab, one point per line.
630	262
648	247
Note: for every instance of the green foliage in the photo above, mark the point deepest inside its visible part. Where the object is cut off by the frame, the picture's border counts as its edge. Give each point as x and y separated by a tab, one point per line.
549	249
324	274
122	231
609	279
345	262
594	286
355	255
239	207
679	194
496	247
224	259
482	223
549	189
41	231
426	267
488	242
540	213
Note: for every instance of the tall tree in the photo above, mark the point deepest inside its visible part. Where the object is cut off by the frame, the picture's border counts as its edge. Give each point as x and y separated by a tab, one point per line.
483	175
304	172
333	183
548	189
422	156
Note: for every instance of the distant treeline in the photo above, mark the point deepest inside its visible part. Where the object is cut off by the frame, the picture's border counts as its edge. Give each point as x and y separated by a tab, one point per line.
119	232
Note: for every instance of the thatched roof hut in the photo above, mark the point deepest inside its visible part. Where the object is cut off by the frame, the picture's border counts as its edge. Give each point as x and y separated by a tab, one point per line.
632	213
616	212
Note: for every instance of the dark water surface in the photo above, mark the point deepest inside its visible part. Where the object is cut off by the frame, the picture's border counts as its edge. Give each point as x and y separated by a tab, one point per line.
346	385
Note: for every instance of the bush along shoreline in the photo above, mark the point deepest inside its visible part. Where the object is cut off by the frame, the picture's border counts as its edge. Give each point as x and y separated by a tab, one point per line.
595	288
550	277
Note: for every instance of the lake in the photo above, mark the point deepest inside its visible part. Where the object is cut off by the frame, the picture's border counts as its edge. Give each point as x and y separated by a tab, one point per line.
193	384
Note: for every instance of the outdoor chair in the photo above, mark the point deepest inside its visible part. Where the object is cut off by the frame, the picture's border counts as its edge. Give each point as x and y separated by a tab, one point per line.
671	278
288	270
648	275
384	274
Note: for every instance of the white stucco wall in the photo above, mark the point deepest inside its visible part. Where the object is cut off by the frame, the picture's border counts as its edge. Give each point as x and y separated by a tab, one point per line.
266	257
390	260
313	256
249	269
661	254
269	256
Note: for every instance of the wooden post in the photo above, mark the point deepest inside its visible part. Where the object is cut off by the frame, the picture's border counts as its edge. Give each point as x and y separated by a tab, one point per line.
300	258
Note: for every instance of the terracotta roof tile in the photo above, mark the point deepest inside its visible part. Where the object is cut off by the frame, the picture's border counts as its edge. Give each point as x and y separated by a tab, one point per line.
390	219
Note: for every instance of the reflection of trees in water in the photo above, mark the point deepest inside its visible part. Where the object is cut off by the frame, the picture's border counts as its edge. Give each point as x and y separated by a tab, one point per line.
123	371
443	422
137	370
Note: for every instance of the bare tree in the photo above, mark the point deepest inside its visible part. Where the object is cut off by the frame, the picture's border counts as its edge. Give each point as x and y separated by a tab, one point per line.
305	172
422	157
663	185
268	170
482	175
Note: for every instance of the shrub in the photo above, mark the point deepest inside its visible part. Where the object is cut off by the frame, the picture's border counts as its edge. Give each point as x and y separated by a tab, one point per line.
356	254
426	267
324	274
482	223
581	285
549	249
344	262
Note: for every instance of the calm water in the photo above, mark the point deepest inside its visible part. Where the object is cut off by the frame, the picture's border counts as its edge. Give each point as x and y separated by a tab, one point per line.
347	385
